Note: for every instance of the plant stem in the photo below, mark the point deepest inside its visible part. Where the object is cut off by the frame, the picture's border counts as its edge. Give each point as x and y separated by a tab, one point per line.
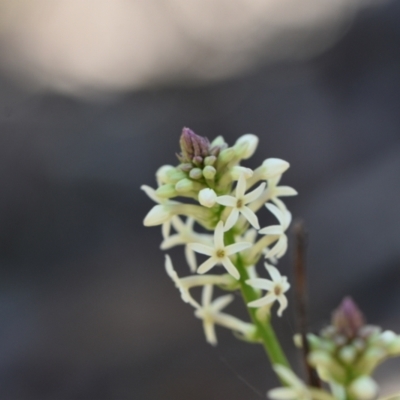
265	330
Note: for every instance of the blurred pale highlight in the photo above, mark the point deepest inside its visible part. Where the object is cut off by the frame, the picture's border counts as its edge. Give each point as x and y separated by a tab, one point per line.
81	46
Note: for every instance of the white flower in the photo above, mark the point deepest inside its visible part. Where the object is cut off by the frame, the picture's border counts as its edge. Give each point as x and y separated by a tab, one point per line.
296	389
207	197
238	204
275	289
284	217
185	294
219	254
273	167
160	214
185	235
210	313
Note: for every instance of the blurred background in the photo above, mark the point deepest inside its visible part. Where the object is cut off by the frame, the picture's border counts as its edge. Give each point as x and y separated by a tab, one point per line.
93	97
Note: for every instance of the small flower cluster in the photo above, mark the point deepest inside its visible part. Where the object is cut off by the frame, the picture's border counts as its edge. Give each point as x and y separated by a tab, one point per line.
224	198
347	352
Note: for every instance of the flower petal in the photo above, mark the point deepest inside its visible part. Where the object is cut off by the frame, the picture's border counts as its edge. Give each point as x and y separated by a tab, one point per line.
221	302
190	258
271	230
209	332
206	295
151	193
261	283
201	248
156	216
174	240
228	201
227	263
231	220
283	304
268	299
282	394
285	191
236	247
276	211
273	272
207	265
219	236
241	186
255	194
250	216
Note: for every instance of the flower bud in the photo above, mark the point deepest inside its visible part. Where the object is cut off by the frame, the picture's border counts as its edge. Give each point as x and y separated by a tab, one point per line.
184	185
237	170
207	197
226	156
162	174
246	145
166	191
364	388
347	354
273	167
196	173
209	172
347	318
175	175
192	145
210	160
157	216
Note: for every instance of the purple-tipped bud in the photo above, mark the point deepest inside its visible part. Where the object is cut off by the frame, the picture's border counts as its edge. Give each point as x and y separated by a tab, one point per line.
193	146
347	318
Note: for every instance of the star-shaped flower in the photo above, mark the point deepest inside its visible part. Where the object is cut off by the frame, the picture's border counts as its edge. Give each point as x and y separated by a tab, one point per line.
210	313
185	235
219	254
275	289
238	203
284	217
275	191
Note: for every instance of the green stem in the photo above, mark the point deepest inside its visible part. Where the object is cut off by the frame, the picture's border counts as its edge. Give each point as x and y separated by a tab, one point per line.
265	330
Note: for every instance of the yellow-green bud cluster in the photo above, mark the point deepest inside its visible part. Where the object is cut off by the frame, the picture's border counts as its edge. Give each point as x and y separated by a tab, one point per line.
203	165
349	350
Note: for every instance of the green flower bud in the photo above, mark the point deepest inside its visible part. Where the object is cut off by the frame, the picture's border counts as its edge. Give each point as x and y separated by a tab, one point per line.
166	191
210	160
209	172
347	354
196	173
176	175
187	185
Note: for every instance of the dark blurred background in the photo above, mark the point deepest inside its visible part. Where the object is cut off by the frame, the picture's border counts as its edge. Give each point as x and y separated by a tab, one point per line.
93	97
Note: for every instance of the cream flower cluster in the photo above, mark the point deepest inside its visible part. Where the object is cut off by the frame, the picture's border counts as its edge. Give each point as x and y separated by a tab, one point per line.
223	199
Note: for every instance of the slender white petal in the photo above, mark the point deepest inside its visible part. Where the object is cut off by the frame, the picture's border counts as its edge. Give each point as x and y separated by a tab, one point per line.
207	265
268	299
236	247
228	201
227	263
190	258
209	332
282	300
271	230
273	272
151	193
261	283
231	220
285	191
166	228
171	241
206	295
255	194
277	212
250	216
219	236
241	186
201	248
222	302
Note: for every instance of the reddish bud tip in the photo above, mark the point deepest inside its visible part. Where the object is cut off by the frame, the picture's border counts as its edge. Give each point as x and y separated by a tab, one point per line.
347	318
